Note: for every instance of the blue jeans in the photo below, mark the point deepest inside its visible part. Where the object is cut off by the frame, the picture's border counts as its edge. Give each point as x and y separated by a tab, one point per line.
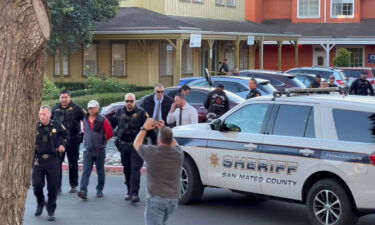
158	210
89	158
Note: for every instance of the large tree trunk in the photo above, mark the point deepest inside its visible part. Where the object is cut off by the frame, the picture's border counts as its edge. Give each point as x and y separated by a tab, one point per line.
24	31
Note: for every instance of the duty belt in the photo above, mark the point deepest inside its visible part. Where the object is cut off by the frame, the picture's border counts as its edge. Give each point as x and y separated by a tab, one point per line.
45	156
126	142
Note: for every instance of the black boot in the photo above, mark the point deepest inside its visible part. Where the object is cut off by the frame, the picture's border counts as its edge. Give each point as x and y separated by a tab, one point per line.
51	217
39	209
135	198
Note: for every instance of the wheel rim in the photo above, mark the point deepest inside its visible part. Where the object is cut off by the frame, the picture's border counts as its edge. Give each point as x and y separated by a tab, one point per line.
184	181
327	207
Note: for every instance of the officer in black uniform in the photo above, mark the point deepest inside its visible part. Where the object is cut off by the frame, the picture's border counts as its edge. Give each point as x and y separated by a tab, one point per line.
254	92
70	115
51	140
129	121
361	86
316	82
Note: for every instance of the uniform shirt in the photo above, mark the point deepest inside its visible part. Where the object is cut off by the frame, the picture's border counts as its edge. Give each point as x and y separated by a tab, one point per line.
50	137
253	93
315	84
361	87
70	117
189	116
164	165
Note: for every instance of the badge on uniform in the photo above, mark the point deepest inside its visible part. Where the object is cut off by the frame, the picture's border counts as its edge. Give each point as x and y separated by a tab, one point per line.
54	131
135	115
70	108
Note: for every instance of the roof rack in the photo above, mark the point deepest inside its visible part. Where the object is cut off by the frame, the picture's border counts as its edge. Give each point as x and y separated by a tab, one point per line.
307	91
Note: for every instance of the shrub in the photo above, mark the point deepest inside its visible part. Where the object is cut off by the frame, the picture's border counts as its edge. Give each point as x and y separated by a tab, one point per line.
104	99
342	58
50	90
70	86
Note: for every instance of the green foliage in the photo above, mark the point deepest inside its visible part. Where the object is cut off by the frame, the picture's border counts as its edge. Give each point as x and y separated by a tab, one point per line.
70	86
342	58
50	90
104	99
73	22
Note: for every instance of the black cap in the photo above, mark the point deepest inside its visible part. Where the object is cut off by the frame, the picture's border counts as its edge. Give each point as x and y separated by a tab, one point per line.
318	76
220	86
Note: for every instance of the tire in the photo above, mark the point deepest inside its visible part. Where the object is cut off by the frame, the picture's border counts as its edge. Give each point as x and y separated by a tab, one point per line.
341	210
191	185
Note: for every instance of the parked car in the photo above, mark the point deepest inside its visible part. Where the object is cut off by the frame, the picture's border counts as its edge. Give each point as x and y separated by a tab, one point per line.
306	79
316	150
353	73
234	84
325	72
196	99
279	80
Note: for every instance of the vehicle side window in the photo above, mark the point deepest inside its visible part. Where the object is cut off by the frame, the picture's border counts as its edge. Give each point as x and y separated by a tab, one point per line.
171	93
201	84
249	118
292	120
310	127
295	71
354	126
228	85
196	97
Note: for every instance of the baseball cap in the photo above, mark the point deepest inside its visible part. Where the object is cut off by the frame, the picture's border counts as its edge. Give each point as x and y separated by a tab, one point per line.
92	103
318	76
332	77
220	86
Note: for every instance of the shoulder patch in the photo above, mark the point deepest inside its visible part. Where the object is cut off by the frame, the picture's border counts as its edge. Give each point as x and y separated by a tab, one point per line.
146	115
62	126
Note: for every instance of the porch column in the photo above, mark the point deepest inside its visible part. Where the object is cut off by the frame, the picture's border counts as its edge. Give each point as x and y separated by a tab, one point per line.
279	54
296	57
210	46
178	61
327	47
261	54
237	45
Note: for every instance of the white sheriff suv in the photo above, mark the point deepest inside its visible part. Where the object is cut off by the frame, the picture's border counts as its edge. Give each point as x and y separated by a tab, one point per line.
316	149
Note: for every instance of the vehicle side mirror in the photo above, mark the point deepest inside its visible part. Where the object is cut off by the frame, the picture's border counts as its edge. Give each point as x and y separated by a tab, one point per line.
232	127
216	125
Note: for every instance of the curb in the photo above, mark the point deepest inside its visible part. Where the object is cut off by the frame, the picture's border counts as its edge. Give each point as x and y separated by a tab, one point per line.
108	168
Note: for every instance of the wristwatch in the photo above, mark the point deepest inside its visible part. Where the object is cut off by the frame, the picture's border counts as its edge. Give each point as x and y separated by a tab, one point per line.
142	128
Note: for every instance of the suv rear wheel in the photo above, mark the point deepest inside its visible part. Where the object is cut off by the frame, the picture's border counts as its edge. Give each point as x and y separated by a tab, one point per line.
191	185
328	203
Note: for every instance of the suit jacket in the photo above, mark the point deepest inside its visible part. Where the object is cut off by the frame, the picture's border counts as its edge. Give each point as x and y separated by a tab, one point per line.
149	104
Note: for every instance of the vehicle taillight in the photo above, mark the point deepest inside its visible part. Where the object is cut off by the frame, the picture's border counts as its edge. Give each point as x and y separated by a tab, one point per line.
372	158
340	82
372	81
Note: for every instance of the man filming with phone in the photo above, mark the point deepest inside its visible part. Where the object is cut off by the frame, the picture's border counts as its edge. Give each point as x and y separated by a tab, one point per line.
129	121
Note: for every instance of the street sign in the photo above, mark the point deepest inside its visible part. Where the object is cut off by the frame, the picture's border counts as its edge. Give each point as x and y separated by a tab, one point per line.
195	40
371	58
250	40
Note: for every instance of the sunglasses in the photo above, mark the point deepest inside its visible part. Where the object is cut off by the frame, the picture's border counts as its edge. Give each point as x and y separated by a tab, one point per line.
159	91
129	101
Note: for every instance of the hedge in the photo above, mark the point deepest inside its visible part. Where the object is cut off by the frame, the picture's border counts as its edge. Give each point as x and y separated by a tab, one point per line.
71	86
104	99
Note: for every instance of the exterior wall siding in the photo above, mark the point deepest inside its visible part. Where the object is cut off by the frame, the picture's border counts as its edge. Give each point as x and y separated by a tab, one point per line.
367	9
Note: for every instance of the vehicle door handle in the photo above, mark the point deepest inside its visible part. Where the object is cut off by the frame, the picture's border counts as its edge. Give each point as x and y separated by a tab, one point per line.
251	146
306	152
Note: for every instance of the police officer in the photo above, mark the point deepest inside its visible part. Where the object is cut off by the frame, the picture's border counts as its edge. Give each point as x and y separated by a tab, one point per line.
361	86
51	140
70	115
254	92
316	82
217	101
128	121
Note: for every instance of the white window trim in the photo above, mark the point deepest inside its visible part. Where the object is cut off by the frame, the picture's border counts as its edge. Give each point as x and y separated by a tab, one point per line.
355	46
96	60
232	6
308	17
125	59
342	17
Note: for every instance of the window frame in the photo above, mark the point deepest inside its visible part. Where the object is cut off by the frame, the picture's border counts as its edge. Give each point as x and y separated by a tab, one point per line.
96	58
342	16
231	3
173	63
125	59
61	64
182	59
308	17
220	3
198	1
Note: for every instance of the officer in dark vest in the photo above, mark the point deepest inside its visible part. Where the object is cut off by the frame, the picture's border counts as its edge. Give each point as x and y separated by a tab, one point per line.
98	131
51	139
129	121
361	86
254	92
70	115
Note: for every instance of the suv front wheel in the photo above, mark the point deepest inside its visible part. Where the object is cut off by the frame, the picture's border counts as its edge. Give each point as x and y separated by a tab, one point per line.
328	203
191	185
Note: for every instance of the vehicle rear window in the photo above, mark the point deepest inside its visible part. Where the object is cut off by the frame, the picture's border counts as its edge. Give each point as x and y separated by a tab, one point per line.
272	80
196	97
354	73
294	120
354	126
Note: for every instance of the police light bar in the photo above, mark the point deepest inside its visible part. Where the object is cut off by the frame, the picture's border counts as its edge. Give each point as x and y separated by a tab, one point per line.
311	90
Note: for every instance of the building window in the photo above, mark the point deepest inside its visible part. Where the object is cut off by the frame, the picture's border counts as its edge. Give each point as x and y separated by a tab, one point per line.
166	60
198	1
90	59
231	3
357	57
220	2
185	0
119	60
187	60
61	63
244	58
342	8
308	8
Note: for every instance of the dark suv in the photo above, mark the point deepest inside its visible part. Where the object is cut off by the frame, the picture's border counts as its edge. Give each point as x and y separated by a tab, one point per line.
280	81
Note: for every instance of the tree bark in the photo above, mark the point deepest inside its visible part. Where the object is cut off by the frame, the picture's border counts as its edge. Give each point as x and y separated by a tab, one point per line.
24	32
